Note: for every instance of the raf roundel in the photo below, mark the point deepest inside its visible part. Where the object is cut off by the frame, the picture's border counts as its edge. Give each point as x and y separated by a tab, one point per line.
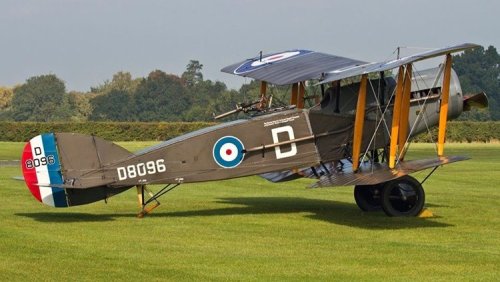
228	152
256	63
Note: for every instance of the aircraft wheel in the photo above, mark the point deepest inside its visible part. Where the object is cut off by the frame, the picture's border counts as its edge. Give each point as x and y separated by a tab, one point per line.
367	197
403	197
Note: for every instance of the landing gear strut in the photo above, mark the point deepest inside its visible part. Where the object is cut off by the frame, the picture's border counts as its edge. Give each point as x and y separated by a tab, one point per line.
403	196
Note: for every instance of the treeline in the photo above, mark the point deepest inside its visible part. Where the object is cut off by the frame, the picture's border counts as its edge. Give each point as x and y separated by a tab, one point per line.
464	132
157	97
189	97
457	131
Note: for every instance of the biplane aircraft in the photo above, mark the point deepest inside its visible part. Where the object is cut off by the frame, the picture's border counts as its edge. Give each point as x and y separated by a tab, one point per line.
356	134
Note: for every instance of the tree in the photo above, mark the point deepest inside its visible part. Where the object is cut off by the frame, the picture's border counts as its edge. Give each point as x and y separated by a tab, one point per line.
208	98
113	100
193	75
479	70
160	97
113	106
80	106
41	98
6	94
121	81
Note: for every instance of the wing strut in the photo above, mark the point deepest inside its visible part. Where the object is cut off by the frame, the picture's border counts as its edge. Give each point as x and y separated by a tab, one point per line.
263	101
295	90
300	98
443	111
405	111
359	123
263	88
396	112
400	112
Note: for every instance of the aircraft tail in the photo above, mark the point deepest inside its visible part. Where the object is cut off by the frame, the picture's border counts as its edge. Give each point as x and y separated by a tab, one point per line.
50	162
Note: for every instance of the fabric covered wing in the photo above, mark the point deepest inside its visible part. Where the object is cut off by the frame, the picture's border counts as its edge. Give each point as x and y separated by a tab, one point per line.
378	173
387	65
290	66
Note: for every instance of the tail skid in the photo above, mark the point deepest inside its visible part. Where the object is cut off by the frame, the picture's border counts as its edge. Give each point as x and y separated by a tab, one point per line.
147	206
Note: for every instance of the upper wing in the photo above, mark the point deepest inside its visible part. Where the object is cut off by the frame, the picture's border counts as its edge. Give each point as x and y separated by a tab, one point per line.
299	65
387	65
290	66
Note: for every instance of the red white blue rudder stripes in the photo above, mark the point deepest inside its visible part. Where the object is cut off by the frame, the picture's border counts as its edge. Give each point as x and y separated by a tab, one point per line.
42	170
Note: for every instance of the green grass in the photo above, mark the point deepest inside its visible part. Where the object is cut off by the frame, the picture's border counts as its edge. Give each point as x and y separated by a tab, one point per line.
11	150
249	229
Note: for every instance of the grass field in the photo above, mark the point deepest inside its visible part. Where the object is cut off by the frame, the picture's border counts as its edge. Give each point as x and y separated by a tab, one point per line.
249	229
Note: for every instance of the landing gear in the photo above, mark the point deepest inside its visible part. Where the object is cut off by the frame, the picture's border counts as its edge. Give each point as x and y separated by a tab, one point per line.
368	197
403	196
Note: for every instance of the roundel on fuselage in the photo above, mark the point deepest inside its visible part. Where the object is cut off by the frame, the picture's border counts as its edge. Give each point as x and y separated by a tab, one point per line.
228	152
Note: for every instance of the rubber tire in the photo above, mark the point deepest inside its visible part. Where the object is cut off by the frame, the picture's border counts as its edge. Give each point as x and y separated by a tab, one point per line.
393	206
368	197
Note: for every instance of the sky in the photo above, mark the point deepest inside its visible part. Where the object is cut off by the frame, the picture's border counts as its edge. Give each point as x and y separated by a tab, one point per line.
85	42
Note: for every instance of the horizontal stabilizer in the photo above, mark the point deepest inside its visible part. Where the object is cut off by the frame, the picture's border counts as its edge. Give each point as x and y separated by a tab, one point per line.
377	173
54	163
479	100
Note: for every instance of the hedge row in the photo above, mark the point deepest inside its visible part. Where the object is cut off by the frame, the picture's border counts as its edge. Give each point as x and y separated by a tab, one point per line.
139	131
465	132
116	131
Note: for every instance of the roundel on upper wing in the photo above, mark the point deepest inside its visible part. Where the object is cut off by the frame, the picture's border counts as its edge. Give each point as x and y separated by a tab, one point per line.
228	152
251	65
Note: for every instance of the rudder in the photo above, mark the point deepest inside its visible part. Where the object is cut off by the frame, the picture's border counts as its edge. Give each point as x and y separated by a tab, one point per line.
51	160
41	168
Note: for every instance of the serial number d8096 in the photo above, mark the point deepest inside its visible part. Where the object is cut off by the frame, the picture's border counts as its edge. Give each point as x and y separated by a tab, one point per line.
141	169
37	162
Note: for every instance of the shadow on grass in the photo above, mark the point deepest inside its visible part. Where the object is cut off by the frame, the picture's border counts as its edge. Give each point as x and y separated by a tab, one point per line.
70	217
324	210
329	211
